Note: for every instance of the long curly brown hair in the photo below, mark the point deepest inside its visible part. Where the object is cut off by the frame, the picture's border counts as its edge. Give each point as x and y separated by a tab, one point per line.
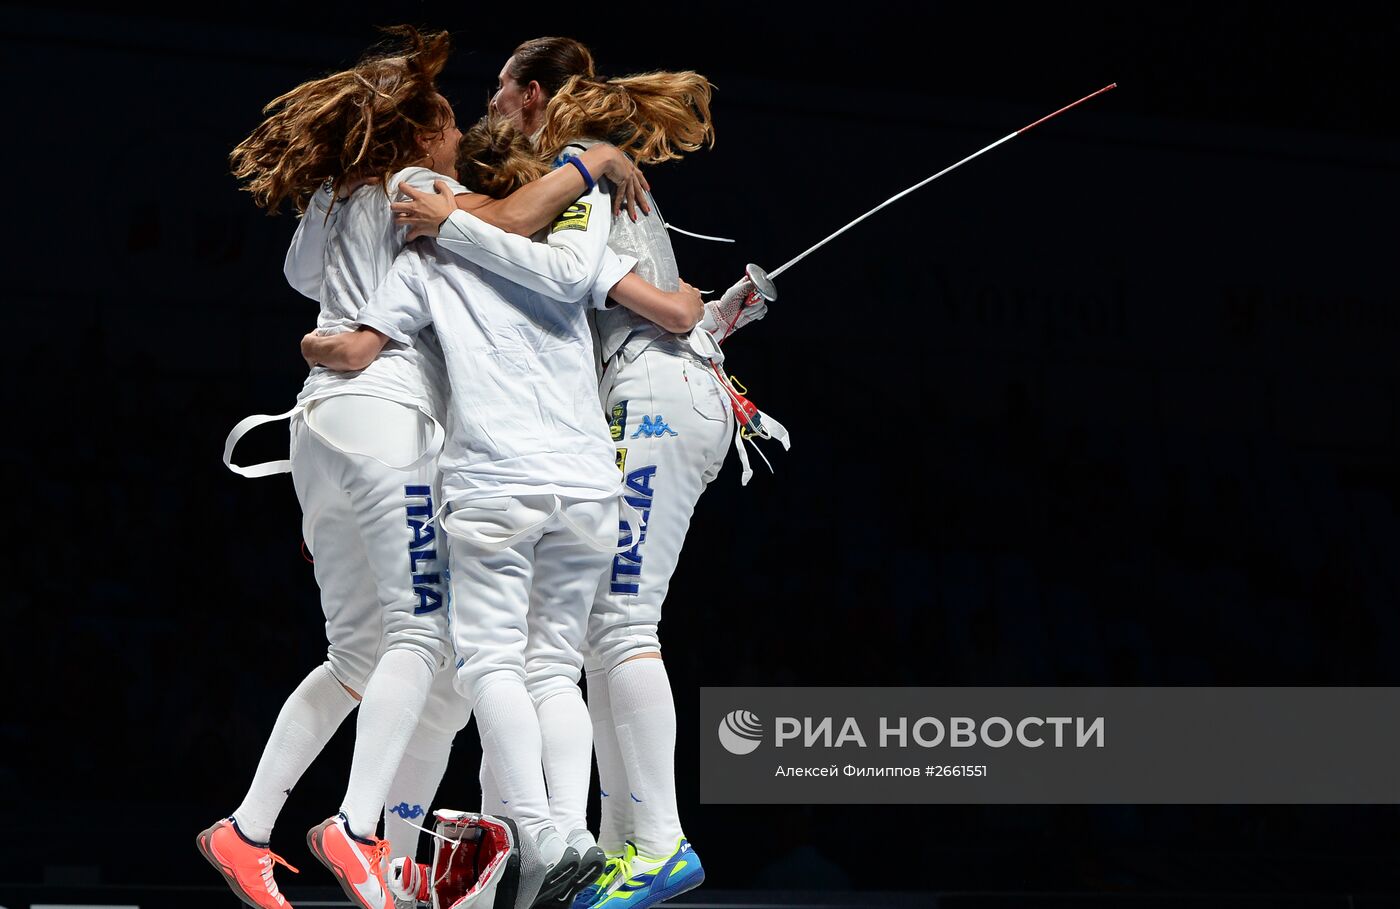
367	121
654	117
494	159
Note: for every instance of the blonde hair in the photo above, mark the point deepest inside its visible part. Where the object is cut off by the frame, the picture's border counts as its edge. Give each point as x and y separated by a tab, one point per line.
653	117
493	158
365	121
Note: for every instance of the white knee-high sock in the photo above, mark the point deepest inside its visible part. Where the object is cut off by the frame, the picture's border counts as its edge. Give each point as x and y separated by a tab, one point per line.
566	735
510	741
490	793
646	734
410	801
308	719
388	717
615	817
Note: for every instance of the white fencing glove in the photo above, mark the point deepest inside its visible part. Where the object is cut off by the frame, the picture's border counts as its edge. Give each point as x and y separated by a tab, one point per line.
745	302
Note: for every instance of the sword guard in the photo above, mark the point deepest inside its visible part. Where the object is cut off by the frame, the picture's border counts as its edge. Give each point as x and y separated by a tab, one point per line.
766	288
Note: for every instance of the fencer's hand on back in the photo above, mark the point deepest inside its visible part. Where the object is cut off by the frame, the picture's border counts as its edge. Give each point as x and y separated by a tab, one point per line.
694	306
740	305
423	213
630	187
346	351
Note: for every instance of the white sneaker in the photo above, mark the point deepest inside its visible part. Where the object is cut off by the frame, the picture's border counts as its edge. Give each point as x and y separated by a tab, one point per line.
558	878
591	858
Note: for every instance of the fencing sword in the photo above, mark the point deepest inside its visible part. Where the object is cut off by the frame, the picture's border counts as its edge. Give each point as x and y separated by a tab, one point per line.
750	418
763	280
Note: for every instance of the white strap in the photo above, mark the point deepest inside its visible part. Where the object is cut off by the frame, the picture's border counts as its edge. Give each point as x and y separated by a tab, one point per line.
467	531
429	451
609	378
747	473
270	468
656	210
626	514
772	430
696	236
776	430
705	345
266	468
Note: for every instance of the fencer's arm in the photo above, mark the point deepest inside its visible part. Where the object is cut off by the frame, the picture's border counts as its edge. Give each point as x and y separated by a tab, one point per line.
347	351
567	267
399	307
534	206
676	311
304	266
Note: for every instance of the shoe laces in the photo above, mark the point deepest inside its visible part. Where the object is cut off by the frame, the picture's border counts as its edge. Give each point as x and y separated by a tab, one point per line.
619	869
269	860
380	855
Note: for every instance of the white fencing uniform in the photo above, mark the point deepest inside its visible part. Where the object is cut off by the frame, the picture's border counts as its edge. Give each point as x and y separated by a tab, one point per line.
524	425
346	256
380	577
363	466
671	424
362	448
528	467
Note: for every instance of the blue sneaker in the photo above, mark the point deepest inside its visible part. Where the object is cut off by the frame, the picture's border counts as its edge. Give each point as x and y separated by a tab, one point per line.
614	871
655	880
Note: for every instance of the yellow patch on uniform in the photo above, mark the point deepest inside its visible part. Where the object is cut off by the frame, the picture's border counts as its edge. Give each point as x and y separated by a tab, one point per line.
622	459
617	422
575	217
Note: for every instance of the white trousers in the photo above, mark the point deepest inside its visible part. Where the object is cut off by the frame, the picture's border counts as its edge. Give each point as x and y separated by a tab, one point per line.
672	425
378	562
524	571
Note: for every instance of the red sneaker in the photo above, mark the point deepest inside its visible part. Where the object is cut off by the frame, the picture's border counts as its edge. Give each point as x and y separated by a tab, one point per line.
245	865
357	865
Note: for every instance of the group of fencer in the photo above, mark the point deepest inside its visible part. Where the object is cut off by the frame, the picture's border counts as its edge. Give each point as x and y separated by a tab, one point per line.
508	377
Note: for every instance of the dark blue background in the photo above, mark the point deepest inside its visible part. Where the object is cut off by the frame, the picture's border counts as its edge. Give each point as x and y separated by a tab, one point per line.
1114	404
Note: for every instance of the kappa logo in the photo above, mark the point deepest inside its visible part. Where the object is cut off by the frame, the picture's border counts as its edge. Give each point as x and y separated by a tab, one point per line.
653	428
617	421
740	732
428	585
622	459
575	217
